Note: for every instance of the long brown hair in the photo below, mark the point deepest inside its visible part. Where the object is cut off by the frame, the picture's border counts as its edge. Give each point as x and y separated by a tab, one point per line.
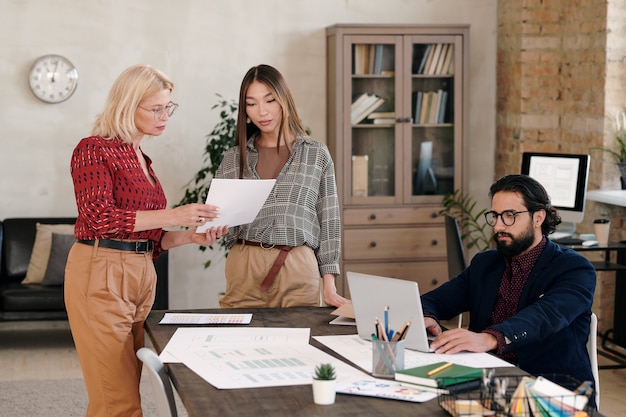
291	125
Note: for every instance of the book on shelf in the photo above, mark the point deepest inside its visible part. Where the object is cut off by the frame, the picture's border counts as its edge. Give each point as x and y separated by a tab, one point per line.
442	107
366	107
383	121
451	375
423	110
448	60
378	58
428	105
420	69
382	115
430	70
361	58
418	106
434	108
357	102
429	59
359	175
442	58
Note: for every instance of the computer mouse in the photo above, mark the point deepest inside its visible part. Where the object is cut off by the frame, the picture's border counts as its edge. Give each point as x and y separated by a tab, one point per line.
589	243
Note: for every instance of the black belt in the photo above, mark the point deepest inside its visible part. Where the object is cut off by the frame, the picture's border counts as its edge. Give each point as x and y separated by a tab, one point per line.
139	246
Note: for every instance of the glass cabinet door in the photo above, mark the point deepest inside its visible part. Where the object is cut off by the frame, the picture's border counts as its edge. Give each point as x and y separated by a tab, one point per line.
375	146
430	153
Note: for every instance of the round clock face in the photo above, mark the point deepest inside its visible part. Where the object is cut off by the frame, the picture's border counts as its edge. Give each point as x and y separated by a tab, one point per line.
53	78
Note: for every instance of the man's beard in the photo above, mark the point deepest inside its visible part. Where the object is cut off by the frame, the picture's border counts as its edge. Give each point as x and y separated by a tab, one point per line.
517	245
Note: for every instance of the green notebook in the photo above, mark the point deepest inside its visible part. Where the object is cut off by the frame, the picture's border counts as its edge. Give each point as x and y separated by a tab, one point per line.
451	375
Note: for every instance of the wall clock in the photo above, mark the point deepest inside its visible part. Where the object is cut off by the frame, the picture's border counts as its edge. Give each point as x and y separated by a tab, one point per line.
53	78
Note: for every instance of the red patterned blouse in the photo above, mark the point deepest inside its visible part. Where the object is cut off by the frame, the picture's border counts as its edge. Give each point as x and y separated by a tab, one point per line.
110	187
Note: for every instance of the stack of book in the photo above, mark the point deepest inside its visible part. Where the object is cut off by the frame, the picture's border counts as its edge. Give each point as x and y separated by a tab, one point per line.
441	377
363	106
382	117
437	59
430	107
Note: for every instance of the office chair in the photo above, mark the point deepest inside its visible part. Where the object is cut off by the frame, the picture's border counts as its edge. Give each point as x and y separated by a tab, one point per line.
160	381
455	251
592	350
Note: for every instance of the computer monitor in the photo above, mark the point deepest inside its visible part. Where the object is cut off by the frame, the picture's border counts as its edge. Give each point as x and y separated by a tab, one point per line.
564	176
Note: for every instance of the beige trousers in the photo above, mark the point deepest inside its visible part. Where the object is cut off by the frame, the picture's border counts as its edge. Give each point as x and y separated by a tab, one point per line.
297	283
108	295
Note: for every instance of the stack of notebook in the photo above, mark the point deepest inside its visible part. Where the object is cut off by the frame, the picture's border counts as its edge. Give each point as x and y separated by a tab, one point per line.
442	377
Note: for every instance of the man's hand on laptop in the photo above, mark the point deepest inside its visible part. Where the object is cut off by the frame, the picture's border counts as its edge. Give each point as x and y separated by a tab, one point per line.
459	340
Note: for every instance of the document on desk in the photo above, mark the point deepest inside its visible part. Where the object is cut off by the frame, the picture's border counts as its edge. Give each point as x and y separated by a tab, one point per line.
239	201
359	352
199	318
250	357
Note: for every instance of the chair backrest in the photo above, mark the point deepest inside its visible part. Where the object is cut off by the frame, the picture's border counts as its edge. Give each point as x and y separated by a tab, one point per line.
455	251
160	381
454	247
592	350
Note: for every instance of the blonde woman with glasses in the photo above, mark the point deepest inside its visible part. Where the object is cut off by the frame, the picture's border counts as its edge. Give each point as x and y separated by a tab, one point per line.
110	280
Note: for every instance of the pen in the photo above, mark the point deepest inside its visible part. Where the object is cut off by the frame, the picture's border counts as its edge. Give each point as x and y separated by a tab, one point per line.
386	318
381	332
405	330
439	369
398	335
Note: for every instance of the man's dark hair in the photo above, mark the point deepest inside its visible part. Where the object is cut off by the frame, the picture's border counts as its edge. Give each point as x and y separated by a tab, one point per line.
535	198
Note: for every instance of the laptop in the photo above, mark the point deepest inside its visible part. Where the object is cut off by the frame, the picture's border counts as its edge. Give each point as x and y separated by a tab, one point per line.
370	296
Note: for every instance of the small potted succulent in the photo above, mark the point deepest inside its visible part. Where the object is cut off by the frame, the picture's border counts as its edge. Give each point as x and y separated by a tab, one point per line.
324	384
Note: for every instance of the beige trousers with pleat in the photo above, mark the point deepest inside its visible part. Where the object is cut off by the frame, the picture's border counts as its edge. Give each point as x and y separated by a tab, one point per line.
297	284
108	295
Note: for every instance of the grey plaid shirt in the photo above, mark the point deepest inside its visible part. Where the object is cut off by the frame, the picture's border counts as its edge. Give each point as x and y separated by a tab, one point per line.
303	207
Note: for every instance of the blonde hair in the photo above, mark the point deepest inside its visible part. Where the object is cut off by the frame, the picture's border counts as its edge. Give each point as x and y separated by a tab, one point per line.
131	87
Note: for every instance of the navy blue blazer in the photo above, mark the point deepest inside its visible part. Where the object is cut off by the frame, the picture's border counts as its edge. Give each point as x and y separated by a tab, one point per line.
550	330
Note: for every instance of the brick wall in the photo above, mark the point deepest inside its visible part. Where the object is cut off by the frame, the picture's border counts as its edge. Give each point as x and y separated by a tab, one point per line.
561	71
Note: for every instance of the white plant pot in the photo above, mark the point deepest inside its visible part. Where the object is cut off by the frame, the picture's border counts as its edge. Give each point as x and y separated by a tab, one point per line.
324	391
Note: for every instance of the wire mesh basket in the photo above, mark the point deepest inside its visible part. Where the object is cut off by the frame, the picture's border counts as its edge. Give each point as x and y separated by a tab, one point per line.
521	396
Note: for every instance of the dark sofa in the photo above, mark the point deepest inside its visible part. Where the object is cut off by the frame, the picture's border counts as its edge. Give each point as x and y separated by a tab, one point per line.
35	301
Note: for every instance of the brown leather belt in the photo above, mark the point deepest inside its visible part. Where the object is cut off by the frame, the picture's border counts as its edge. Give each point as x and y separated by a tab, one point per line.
278	263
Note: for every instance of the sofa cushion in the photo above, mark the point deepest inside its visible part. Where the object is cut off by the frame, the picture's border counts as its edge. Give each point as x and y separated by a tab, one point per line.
41	250
55	271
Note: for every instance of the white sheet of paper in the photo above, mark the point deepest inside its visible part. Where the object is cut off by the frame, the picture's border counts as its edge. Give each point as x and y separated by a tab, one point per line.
359	352
193	318
239	201
235	357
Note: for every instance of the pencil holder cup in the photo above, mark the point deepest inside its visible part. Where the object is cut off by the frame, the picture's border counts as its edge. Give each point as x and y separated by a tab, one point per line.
387	358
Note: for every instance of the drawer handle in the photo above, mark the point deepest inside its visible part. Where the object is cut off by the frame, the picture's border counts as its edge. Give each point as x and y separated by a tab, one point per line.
433	215
373	216
372	244
434	281
434	242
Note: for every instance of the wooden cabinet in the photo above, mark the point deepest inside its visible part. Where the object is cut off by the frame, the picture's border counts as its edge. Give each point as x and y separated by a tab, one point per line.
396	127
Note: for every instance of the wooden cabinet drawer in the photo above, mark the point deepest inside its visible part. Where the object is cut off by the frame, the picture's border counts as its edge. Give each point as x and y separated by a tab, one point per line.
427	274
391	216
394	243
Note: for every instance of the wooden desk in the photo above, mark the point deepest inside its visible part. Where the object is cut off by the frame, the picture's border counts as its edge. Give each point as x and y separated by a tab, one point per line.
201	398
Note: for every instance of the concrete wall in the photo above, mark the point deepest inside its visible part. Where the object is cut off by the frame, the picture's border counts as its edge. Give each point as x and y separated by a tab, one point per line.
206	46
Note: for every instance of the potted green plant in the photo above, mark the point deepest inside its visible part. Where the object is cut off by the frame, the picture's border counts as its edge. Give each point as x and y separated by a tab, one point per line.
221	138
324	384
475	231
618	152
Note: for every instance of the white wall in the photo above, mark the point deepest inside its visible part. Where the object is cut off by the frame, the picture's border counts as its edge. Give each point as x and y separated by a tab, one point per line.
205	46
